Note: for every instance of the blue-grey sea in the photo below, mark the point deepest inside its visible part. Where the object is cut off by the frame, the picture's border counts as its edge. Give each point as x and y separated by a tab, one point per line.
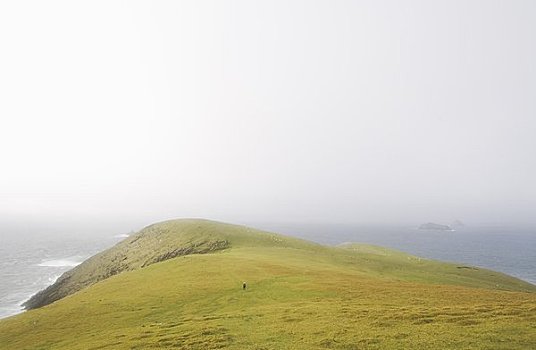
32	259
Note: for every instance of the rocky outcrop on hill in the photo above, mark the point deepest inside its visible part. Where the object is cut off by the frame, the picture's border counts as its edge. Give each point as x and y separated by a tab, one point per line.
155	243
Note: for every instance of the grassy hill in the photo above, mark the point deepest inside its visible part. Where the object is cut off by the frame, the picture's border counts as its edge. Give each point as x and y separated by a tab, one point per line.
178	285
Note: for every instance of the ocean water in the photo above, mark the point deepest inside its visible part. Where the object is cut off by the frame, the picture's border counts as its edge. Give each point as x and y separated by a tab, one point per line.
511	250
30	261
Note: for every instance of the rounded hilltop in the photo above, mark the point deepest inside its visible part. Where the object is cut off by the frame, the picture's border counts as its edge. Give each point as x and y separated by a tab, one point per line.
179	284
156	243
181	237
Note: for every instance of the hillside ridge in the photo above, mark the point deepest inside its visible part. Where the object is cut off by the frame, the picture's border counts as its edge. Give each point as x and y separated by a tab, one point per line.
179	285
182	237
156	243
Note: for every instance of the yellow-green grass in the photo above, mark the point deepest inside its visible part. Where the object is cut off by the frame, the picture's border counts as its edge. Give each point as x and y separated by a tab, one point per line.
300	296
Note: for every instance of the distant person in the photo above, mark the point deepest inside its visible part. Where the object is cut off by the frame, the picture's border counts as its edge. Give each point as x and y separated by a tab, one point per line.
244	285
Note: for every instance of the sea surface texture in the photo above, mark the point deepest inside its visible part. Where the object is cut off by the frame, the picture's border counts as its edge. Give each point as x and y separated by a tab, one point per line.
29	262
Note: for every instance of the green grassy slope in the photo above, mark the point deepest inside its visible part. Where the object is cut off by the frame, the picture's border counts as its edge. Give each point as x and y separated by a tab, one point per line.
300	296
156	243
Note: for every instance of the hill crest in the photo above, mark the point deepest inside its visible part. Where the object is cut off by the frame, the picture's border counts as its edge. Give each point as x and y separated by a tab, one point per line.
156	243
182	237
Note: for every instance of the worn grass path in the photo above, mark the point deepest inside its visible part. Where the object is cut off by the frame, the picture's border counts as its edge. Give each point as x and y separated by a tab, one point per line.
299	296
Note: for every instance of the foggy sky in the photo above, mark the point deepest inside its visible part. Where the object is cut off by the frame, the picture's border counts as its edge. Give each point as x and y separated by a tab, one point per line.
321	111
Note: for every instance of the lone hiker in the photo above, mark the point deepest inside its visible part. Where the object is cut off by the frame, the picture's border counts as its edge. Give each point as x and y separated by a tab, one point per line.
244	285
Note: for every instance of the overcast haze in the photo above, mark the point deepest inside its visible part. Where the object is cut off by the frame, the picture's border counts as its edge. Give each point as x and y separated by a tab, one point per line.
243	111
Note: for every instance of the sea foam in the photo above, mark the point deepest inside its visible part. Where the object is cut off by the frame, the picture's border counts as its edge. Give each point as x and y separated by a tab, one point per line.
60	263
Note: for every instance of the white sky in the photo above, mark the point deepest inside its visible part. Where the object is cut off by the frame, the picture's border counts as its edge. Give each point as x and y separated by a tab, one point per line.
334	111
